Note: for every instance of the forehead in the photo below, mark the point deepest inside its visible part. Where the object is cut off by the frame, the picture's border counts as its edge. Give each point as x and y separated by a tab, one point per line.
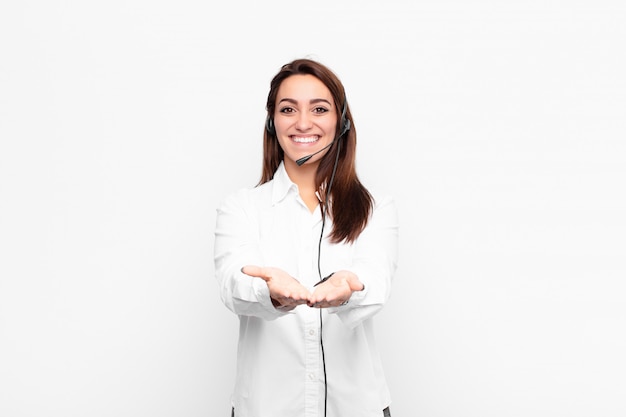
303	88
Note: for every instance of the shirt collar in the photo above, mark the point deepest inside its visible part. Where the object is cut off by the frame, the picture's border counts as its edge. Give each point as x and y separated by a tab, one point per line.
282	184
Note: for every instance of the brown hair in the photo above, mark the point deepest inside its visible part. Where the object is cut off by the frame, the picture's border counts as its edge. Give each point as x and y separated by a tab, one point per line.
350	202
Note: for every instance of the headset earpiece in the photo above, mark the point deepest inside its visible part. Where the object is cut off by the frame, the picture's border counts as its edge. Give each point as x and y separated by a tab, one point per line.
269	126
345	124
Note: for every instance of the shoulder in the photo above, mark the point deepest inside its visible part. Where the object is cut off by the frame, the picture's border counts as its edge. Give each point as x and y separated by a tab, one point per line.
247	197
382	198
384	209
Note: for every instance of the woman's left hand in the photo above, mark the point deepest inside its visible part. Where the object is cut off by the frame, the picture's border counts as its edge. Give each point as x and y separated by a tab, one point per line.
336	290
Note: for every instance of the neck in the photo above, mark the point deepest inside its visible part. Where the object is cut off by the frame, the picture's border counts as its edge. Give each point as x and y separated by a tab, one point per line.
304	177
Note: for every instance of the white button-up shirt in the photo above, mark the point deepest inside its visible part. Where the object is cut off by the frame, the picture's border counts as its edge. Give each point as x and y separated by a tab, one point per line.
279	362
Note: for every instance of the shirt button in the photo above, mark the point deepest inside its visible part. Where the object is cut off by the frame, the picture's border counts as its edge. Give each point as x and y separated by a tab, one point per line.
311	377
312	332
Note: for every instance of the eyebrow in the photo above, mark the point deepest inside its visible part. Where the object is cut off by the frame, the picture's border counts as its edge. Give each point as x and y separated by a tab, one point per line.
313	101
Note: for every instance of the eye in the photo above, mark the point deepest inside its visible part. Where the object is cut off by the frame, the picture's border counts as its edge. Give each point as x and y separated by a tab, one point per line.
286	110
320	110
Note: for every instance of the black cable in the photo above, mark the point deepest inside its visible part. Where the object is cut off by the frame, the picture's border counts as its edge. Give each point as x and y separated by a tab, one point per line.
319	269
323	366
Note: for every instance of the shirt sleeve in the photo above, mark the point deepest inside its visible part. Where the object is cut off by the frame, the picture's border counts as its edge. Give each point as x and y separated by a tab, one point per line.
236	245
374	262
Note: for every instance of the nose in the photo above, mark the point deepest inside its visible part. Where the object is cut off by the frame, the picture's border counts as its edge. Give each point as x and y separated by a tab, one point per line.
304	121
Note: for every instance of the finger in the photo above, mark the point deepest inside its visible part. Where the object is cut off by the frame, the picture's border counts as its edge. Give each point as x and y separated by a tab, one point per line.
296	298
302	296
288	304
317	302
254	271
327	302
323	296
321	305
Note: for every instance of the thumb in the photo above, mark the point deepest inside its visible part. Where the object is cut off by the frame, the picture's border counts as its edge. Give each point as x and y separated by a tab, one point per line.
254	271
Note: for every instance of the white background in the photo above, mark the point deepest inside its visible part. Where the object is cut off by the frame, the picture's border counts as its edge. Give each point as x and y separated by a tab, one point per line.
499	126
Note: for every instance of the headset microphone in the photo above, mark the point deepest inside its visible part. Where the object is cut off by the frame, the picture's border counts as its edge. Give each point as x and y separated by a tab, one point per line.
345	126
306	158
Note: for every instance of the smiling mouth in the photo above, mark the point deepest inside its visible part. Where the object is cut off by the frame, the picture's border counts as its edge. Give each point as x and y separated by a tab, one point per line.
305	139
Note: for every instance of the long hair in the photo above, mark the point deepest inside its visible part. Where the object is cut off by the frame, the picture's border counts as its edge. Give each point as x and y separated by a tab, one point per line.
351	204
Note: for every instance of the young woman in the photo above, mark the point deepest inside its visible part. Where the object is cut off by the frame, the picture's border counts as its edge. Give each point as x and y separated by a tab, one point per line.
306	259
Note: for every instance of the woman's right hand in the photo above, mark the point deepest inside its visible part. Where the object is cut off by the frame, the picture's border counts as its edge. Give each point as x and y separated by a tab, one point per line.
286	292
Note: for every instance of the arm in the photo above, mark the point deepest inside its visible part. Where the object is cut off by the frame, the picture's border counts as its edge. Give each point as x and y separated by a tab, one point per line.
366	283
237	245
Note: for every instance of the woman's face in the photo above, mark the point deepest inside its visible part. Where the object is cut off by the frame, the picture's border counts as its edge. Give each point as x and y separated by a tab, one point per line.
305	118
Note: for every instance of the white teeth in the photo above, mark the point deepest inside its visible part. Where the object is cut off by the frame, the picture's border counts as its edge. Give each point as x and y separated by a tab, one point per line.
308	139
